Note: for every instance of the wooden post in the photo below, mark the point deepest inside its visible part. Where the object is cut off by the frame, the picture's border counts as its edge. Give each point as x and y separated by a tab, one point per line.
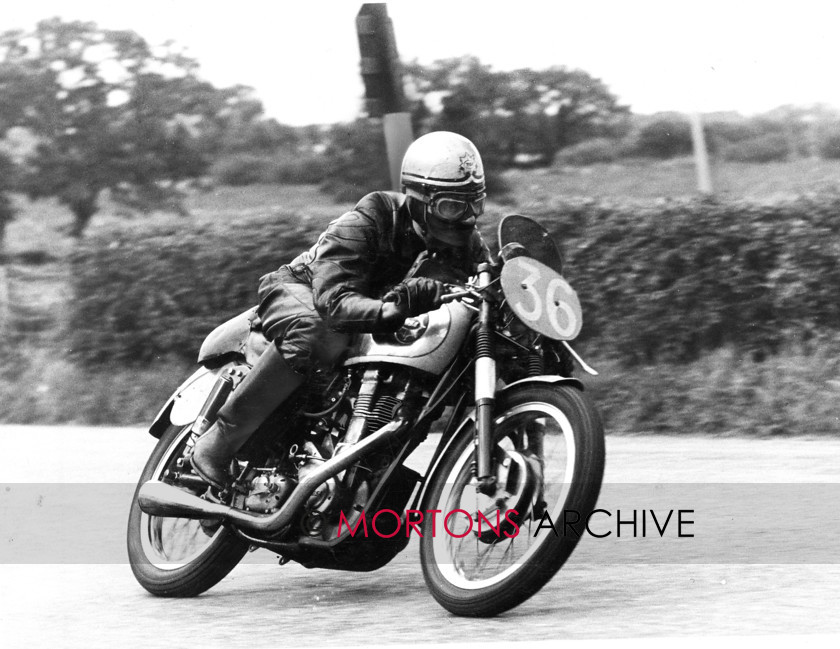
382	76
398	136
701	158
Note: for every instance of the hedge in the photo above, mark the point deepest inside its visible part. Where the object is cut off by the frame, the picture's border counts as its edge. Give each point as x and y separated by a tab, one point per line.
670	281
141	295
657	282
280	168
765	148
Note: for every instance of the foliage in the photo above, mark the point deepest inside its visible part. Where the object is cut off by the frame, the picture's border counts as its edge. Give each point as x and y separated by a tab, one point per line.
157	292
722	393
38	386
664	137
664	282
797	125
719	394
512	113
241	169
109	112
591	152
765	148
829	147
735	131
247	133
513	117
357	162
801	131
301	169
278	167
497	186
673	281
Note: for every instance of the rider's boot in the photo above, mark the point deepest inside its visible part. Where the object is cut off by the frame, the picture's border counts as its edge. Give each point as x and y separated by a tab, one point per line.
265	387
214	451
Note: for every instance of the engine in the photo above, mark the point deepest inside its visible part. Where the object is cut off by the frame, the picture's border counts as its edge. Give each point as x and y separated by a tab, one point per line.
268	490
359	402
336	411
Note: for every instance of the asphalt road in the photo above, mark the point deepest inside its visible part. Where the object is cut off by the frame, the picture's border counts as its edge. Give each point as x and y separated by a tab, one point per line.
763	559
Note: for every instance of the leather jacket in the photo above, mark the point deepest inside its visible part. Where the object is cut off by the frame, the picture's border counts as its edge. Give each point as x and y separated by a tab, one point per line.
359	257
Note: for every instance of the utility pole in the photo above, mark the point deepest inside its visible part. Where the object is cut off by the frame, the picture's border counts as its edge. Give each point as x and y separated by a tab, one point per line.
701	157
382	76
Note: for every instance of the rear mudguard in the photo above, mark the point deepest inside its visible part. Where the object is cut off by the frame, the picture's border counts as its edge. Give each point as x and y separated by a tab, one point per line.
240	336
470	417
183	406
236	343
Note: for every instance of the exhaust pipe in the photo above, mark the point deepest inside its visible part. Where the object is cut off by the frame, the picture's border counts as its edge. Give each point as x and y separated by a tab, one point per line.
161	499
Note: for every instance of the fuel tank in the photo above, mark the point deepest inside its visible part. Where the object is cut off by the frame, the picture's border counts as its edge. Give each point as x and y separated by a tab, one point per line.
427	343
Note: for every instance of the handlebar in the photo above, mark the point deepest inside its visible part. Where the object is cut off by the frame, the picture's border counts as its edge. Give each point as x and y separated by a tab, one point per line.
457	295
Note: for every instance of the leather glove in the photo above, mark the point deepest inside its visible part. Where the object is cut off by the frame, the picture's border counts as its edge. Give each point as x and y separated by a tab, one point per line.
413	297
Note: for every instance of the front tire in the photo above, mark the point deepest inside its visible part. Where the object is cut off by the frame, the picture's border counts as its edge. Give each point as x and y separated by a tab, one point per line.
548	458
175	557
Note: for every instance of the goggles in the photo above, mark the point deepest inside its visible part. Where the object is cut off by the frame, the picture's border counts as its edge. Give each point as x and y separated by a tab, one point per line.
452	206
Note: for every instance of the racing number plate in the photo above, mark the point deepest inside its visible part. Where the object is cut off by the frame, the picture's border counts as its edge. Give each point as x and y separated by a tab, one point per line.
541	298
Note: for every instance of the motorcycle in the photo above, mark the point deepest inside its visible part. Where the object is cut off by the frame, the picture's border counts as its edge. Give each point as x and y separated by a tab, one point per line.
487	378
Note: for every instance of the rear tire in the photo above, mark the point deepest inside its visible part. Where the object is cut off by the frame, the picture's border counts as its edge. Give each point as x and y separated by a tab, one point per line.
481	575
174	557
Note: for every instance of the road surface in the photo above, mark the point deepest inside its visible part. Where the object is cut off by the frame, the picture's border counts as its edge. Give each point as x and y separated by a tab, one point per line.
763	559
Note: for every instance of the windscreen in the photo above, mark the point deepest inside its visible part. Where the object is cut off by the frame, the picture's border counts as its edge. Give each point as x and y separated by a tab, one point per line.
533	237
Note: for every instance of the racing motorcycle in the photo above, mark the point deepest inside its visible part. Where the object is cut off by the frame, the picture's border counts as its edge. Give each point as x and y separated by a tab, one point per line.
486	379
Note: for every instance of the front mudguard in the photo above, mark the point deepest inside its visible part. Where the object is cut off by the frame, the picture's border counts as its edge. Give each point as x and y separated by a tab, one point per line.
544	378
183	406
469	418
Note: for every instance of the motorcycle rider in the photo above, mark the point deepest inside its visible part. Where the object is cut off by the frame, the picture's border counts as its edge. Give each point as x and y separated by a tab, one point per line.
349	282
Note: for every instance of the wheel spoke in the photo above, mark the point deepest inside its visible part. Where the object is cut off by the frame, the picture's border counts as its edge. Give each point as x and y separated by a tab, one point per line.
169	542
541	438
508	550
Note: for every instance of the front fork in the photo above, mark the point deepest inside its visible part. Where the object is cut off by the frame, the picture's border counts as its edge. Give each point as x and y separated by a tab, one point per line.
485	388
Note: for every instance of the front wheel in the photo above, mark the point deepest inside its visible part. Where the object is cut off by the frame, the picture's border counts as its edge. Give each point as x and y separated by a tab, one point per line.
177	557
492	552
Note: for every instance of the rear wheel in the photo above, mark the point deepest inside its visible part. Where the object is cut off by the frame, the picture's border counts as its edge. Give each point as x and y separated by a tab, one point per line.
483	559
178	557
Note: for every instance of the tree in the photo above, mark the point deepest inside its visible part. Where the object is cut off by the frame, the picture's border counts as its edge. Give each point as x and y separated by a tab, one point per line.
509	113
109	112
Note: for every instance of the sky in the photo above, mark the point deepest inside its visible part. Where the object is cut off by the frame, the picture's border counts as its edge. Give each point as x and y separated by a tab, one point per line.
302	57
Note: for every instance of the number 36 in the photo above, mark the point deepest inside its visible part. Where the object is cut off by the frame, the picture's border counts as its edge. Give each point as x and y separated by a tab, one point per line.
542	298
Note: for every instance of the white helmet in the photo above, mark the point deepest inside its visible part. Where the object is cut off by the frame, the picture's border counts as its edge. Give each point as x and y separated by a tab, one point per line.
443	161
443	173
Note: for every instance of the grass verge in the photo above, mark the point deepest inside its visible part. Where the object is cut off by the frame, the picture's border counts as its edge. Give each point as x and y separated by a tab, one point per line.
720	394
38	386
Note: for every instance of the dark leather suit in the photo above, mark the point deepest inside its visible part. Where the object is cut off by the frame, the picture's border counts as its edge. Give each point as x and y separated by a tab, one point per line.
309	306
